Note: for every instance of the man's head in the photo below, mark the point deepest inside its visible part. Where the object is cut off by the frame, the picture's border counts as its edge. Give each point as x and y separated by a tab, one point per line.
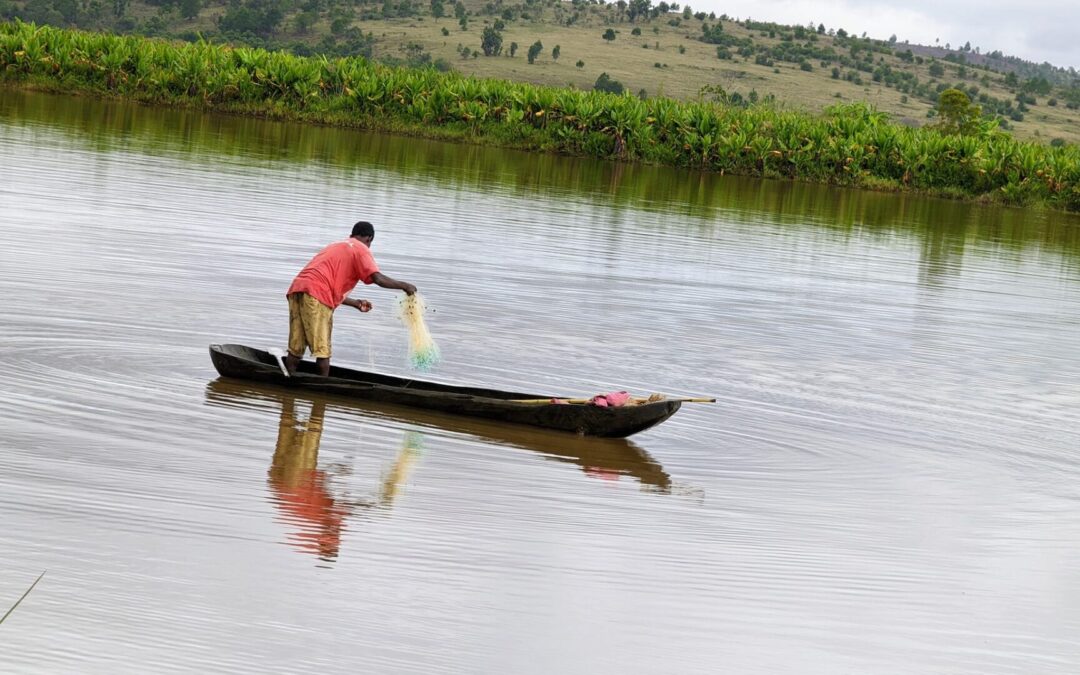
364	231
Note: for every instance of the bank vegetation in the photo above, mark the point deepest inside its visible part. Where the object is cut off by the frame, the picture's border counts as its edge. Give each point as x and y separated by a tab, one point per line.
851	145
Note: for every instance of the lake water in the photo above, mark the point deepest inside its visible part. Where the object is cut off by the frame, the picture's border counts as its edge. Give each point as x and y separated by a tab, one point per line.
888	483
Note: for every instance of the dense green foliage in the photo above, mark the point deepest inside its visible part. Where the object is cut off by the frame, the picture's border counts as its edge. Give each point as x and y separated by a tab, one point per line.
849	145
491	42
606	83
333	28
534	50
956	113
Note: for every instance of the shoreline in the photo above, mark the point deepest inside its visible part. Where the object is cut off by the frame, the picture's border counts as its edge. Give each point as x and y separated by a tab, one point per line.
851	146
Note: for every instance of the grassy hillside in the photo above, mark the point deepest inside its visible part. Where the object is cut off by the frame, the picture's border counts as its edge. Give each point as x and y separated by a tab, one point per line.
654	52
965	157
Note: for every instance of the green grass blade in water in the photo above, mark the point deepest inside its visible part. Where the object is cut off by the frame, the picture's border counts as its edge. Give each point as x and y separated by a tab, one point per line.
8	613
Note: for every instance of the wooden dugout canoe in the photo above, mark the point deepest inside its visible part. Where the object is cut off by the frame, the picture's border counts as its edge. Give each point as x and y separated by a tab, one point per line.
601	457
247	363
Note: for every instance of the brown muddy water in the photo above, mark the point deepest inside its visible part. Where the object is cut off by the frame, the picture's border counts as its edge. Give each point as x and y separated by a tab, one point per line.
889	482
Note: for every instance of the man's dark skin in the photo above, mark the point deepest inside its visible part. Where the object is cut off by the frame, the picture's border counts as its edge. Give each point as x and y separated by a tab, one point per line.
379	279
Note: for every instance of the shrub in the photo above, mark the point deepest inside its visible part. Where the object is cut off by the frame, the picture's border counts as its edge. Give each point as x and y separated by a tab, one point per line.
768	142
491	42
606	83
534	50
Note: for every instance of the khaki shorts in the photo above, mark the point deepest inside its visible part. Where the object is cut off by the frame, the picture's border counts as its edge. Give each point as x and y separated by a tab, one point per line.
310	325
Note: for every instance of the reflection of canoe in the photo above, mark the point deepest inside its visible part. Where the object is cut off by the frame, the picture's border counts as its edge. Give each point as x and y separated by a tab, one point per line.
596	456
254	364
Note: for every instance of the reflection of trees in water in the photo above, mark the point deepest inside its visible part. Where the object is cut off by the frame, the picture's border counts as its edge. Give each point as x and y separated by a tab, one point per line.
942	248
702	196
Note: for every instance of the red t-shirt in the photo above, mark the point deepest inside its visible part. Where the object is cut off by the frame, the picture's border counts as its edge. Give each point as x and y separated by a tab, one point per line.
334	271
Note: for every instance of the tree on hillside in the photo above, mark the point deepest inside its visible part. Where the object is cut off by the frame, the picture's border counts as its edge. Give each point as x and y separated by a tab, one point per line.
36	11
637	8
555	52
257	18
957	114
1037	85
609	34
491	42
513	49
438	10
606	83
534	50
189	9
936	69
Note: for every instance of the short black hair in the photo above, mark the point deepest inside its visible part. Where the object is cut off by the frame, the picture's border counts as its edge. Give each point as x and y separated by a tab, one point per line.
363	229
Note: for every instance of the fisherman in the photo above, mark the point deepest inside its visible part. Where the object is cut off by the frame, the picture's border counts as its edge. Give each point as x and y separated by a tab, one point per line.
322	285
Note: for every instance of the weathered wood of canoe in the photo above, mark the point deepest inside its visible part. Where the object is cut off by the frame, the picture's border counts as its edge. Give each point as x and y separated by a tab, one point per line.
246	363
595	456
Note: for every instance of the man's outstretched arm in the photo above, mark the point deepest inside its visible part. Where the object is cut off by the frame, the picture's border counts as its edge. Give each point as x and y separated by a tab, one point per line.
381	279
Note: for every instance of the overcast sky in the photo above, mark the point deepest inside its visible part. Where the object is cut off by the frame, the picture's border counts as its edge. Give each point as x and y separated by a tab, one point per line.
1037	30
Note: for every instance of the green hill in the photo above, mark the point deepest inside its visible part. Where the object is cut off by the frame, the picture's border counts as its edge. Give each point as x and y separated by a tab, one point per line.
662	50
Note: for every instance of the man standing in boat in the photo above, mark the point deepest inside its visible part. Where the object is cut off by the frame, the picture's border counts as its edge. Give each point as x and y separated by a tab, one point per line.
322	285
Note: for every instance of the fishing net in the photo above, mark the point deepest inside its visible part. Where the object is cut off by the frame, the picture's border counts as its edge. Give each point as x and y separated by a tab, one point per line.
423	352
412	446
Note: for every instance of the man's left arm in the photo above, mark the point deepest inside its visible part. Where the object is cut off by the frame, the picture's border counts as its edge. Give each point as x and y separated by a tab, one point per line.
362	305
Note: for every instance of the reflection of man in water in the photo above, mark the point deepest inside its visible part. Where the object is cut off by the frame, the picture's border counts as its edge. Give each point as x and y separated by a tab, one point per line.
303	492
300	489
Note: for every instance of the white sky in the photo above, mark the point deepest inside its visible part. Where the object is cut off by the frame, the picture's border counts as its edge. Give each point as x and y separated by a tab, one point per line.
1037	30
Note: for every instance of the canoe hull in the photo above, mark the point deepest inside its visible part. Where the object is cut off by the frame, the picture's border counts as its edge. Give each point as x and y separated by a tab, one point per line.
255	365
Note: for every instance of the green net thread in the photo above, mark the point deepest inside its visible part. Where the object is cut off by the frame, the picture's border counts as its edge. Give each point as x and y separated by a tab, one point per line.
424	354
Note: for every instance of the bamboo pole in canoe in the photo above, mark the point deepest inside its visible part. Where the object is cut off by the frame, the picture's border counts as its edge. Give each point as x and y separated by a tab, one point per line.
633	401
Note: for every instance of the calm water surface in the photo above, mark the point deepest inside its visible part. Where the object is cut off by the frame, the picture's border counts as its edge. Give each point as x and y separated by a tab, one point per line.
889	483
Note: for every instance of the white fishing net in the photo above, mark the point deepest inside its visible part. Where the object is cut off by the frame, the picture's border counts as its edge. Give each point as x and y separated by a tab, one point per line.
423	352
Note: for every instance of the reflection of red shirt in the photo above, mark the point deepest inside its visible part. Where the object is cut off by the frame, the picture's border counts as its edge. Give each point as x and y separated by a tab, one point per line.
307	502
334	271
